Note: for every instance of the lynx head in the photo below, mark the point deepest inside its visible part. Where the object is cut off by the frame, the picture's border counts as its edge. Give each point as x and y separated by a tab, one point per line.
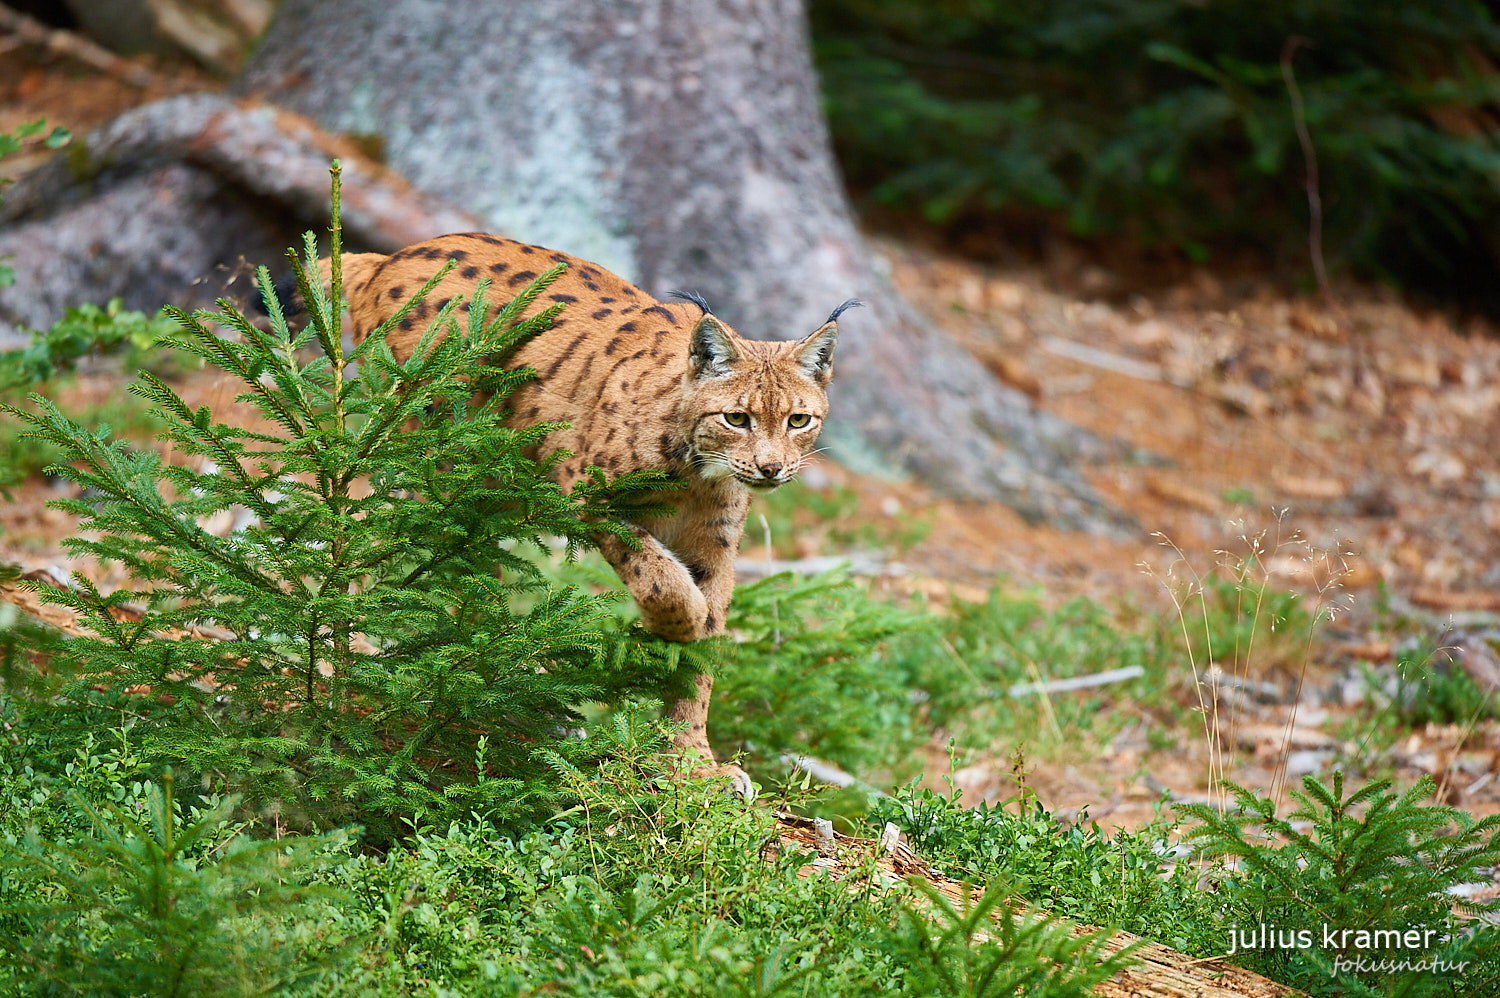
752	410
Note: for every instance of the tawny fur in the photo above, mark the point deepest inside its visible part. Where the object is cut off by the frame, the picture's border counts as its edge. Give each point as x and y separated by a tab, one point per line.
644	385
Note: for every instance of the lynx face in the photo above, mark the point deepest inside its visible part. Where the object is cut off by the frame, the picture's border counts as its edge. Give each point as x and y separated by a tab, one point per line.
752	410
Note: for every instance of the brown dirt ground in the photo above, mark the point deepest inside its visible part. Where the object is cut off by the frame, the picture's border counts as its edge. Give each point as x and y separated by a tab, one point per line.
1373	425
1353	443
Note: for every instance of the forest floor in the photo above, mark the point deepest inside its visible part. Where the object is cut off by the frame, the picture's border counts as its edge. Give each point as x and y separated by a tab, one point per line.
1350	446
1353	446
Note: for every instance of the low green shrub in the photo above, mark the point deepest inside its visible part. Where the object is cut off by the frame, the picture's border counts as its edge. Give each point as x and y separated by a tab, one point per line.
1432	688
1128	880
1335	866
982	948
145	903
650	884
811	673
87	331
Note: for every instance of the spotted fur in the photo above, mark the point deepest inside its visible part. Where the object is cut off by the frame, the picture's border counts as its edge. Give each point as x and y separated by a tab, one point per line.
643	384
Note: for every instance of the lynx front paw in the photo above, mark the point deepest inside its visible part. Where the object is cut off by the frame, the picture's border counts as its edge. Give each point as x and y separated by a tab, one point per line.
675	613
699	758
739	780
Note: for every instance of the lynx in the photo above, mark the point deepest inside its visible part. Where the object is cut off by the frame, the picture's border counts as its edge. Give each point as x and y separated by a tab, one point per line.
643	384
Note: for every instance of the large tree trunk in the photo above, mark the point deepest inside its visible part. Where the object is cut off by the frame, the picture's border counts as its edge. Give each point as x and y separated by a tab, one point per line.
680	143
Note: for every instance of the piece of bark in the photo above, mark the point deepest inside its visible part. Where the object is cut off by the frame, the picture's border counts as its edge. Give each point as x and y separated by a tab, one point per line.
1310	487
1172	490
1104	360
1008	366
1445	600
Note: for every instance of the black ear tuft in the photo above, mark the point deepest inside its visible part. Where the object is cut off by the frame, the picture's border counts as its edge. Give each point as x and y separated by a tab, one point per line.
693	297
846	306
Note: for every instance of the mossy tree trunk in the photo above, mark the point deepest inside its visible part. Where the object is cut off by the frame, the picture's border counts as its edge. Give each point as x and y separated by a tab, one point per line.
680	143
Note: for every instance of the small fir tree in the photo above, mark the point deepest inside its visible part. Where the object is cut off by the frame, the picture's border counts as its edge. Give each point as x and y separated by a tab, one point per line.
148	903
1370	861
345	649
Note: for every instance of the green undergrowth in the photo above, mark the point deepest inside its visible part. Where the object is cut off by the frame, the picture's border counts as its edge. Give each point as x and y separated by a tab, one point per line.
397	732
644	883
1129	879
47	367
1432	687
87	331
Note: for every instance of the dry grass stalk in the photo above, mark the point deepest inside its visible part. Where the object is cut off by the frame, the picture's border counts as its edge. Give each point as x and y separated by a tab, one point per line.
1268	559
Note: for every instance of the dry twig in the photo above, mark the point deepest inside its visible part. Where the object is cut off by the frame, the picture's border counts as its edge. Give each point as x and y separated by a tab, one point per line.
1310	158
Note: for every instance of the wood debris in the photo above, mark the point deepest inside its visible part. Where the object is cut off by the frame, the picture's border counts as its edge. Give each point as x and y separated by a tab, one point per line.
1443	600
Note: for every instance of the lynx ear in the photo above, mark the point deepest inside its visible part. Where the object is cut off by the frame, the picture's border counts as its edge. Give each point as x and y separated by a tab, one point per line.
712	351
814	355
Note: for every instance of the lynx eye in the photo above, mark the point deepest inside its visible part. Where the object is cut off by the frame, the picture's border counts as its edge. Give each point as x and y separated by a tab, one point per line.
797	420
739	420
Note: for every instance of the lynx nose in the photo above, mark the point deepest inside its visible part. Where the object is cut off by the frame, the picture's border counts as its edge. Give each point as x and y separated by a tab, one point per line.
771	470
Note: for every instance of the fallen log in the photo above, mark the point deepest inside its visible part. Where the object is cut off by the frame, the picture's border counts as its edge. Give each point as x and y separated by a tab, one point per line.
1161	972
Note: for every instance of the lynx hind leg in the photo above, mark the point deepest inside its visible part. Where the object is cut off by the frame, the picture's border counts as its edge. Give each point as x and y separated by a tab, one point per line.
672	605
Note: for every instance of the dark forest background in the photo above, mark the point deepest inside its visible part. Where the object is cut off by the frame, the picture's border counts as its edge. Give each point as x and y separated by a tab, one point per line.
1167	128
